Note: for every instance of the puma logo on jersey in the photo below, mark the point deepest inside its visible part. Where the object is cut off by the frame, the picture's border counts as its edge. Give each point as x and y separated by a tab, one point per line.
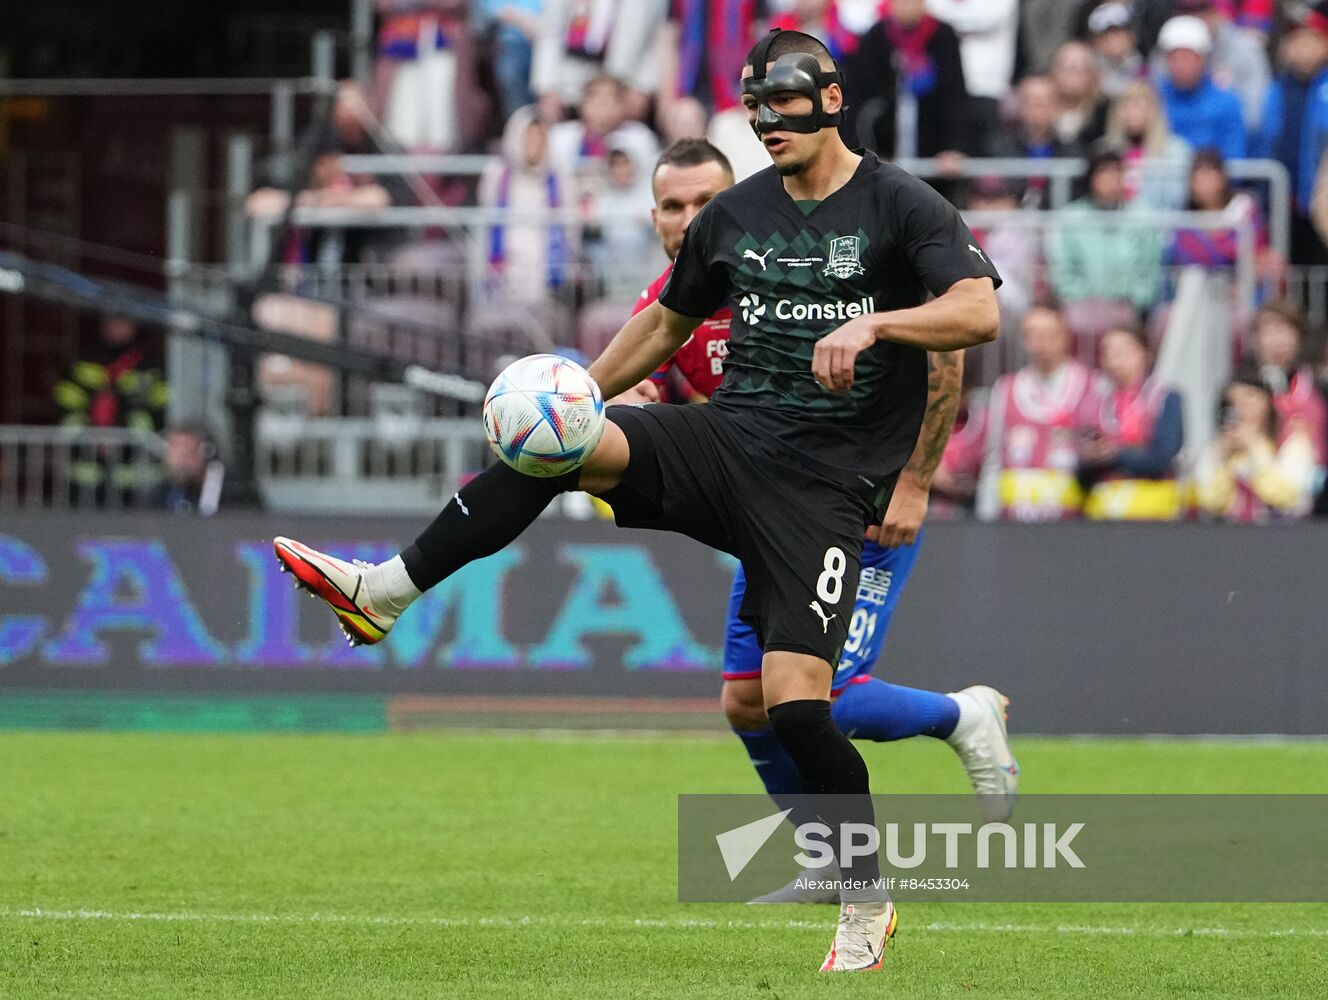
981	257
758	257
825	621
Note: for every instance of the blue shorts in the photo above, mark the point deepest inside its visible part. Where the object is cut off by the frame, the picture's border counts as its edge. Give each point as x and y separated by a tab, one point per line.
884	573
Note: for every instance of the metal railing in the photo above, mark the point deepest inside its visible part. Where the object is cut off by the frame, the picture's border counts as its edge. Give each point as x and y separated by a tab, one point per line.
1308	287
78	467
393	463
1062	173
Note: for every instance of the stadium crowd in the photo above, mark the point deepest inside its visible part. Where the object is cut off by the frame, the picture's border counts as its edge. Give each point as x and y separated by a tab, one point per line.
575	99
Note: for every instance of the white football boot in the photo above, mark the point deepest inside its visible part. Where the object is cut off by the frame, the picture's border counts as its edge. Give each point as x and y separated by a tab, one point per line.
983	746
340	585
860	939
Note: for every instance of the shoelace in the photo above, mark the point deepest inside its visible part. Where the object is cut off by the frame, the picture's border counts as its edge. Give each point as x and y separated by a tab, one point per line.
846	927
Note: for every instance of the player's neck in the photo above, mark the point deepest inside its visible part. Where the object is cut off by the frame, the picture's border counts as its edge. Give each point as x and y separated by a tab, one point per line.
825	175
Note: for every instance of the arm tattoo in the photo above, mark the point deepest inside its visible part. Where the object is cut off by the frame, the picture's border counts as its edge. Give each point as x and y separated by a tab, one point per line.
945	382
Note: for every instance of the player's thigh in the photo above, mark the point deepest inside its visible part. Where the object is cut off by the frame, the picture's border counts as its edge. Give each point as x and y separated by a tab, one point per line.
802	577
663	468
604	468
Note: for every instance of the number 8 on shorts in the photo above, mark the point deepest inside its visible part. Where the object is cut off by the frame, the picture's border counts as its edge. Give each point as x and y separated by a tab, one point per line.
830	584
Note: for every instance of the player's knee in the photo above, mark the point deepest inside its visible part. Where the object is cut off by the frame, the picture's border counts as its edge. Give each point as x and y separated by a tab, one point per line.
604	468
744	705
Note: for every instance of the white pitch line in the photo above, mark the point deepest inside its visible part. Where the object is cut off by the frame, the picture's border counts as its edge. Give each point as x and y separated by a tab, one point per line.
1085	930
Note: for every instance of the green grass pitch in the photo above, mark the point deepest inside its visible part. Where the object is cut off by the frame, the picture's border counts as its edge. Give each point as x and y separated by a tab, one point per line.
533	866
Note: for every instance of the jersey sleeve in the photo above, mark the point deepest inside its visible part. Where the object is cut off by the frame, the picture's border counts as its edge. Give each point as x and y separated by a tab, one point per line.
936	240
699	283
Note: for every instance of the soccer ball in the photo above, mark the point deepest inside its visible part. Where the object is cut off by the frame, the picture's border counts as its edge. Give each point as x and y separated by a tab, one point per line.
544	415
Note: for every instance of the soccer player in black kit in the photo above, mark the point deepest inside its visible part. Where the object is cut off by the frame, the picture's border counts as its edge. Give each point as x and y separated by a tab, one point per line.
827	261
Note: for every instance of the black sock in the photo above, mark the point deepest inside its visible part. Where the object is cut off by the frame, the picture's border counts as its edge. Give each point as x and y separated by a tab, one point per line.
831	765
486	516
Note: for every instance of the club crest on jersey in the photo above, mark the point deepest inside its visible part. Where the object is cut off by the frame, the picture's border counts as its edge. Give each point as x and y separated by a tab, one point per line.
845	258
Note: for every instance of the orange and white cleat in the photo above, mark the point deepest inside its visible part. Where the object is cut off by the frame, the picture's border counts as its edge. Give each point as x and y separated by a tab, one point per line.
860	940
340	585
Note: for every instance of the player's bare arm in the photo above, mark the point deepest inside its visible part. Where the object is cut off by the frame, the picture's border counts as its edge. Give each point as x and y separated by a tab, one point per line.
966	315
647	340
908	506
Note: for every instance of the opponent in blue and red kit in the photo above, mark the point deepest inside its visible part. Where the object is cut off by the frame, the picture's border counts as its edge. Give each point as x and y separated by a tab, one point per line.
688	175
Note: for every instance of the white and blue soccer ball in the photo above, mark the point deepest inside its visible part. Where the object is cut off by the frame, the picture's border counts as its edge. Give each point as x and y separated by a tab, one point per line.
544	415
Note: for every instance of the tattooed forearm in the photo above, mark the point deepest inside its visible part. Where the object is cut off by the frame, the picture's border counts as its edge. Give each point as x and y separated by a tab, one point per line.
945	382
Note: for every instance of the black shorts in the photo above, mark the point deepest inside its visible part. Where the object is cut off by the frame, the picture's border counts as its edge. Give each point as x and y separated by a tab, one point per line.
796	527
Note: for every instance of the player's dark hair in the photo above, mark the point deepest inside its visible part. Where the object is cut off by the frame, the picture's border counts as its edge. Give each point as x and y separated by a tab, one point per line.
793	41
693	153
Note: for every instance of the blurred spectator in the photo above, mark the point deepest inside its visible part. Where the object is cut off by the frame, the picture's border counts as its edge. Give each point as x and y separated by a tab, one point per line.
352	129
820	19
683	118
1295	124
1210	190
1015	250
988	35
859	15
1128	459
582	39
1245	475
1115	50
428	74
1035	422
114	383
329	187
512	27
1280	331
704	44
1155	159
1104	269
1256	16
1200	112
1150	15
1081	107
529	256
1033	136
903	85
581	147
1238	61
623	246
1045	25
193	474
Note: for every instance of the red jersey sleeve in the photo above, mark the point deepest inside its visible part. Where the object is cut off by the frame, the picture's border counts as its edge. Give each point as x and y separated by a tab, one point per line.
700	360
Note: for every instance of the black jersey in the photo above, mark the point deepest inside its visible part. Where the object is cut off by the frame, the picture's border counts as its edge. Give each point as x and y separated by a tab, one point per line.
881	242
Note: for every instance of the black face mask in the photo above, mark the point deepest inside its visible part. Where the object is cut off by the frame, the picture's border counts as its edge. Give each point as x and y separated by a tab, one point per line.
798	73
